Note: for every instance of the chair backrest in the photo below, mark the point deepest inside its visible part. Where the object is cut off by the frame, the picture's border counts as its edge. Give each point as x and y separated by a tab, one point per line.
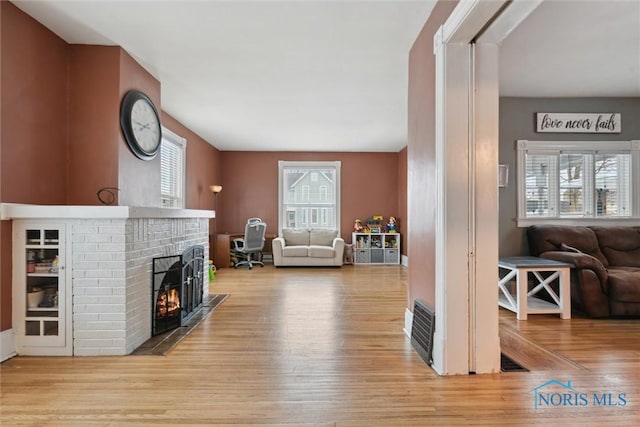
254	236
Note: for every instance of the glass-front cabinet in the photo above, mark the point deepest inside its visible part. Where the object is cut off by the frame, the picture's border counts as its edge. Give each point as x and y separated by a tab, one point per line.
41	309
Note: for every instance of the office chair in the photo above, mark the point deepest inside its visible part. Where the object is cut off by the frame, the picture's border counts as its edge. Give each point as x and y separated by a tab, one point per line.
253	242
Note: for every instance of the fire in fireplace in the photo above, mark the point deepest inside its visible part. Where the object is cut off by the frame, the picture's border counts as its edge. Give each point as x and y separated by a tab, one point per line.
177	289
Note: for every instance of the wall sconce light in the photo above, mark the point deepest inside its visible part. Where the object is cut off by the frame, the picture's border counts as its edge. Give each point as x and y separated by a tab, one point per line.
215	189
503	175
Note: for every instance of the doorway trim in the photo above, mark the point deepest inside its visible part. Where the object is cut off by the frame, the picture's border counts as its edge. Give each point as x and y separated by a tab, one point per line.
467	138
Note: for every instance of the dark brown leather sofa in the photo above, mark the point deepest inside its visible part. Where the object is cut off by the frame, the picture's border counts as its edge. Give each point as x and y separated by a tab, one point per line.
605	280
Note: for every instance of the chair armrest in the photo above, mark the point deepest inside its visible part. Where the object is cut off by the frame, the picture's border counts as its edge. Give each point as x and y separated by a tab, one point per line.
238	244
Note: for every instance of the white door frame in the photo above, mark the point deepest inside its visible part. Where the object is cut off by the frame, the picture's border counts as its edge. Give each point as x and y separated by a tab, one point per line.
467	99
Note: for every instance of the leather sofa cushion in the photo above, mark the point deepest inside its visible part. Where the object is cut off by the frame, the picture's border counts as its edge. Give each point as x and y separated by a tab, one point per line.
548	238
321	252
294	251
322	237
621	245
296	236
624	284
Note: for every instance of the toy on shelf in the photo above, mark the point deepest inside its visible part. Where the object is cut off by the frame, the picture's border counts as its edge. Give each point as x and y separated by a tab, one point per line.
391	225
374	224
357	226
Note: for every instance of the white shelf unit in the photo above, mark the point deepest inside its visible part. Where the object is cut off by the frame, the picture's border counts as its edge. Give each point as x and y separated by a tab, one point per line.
376	248
41	303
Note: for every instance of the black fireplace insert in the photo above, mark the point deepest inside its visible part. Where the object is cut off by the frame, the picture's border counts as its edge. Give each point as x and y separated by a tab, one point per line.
177	289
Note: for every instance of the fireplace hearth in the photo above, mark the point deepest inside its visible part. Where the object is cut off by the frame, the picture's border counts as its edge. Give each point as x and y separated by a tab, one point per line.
177	289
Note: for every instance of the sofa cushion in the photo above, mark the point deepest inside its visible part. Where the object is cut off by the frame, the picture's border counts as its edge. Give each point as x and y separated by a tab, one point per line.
322	236
624	284
296	236
321	251
295	251
620	245
546	238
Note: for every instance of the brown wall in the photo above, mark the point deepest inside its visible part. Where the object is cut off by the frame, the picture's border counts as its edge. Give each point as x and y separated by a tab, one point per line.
93	140
369	186
421	159
34	110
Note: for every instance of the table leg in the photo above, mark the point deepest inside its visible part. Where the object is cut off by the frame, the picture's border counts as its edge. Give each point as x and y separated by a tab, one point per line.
565	300
522	290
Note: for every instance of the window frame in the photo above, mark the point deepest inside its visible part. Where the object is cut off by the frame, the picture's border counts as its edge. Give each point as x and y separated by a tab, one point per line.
173	138
286	164
555	148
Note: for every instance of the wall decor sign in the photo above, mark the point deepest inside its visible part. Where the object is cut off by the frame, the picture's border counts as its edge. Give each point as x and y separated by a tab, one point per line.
579	122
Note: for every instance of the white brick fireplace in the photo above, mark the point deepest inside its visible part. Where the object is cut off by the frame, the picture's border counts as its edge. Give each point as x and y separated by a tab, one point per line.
110	251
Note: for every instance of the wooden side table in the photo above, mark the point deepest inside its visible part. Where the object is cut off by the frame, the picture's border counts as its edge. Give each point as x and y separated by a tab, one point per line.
524	301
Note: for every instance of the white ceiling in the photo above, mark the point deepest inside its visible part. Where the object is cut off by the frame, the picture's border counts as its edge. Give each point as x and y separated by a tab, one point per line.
574	48
332	76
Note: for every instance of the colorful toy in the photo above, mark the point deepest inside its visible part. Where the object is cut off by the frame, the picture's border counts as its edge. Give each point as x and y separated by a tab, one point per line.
391	226
357	226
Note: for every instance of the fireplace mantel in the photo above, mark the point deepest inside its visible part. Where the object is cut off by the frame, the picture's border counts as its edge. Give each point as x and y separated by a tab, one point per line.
26	211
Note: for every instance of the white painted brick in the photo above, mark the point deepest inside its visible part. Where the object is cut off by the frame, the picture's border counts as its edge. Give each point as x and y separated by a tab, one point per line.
85	247
111	247
80	299
99	238
105	308
104	334
85	229
85	317
119	318
112	283
98	291
99	274
112	299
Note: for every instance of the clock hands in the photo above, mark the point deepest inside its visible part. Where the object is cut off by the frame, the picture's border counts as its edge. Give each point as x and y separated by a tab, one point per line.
143	125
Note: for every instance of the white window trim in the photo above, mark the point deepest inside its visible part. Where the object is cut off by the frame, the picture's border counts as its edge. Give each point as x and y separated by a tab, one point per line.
282	164
632	146
178	140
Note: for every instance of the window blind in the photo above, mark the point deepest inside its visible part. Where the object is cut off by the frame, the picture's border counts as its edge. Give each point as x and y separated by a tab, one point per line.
572	184
171	173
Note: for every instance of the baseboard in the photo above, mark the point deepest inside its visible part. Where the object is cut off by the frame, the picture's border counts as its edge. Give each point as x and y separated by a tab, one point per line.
7	345
408	322
404	260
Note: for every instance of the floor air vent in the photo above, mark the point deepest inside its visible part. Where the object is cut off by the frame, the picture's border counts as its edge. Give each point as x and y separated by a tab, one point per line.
424	322
507	364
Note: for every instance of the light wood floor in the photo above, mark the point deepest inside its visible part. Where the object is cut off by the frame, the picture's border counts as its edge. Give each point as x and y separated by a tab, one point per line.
323	347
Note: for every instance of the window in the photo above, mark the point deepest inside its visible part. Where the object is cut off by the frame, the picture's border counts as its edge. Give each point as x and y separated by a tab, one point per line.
172	169
309	194
578	180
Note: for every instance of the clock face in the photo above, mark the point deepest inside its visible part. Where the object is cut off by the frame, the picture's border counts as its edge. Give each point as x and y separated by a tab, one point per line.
140	125
145	125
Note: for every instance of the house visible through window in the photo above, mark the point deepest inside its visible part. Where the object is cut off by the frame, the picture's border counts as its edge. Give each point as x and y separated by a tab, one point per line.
569	179
309	194
172	169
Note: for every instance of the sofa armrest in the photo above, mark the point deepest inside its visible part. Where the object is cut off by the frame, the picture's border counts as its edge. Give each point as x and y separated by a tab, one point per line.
581	261
277	249
338	247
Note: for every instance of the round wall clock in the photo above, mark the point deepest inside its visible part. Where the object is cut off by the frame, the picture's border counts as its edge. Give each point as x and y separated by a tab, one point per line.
140	124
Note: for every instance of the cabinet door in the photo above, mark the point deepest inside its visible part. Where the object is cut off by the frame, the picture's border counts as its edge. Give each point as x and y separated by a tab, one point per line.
40	297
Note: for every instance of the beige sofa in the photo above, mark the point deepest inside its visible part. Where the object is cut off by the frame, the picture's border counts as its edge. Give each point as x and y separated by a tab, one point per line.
308	247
